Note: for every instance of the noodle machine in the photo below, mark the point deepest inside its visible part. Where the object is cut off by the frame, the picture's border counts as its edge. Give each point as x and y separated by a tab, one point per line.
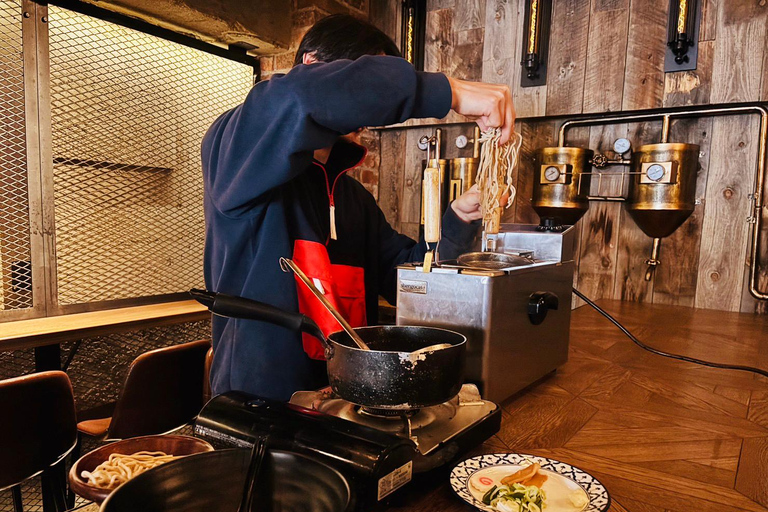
515	311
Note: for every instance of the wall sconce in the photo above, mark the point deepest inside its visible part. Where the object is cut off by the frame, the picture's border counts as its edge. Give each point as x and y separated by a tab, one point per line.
536	42
414	23
682	35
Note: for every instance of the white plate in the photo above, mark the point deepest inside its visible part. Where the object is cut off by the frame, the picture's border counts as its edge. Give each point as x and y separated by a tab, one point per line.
563	480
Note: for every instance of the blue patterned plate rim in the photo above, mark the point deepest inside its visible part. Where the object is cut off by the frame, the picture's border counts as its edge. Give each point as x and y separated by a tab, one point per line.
599	499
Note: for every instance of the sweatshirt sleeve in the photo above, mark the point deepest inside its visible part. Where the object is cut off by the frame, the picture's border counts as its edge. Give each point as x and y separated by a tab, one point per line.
271	137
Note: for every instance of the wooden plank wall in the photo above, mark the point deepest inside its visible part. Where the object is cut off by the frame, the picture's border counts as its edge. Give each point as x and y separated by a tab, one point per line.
608	55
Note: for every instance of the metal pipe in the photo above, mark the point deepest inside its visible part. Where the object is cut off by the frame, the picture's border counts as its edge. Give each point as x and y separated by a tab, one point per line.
653	262
665	130
758	207
707	111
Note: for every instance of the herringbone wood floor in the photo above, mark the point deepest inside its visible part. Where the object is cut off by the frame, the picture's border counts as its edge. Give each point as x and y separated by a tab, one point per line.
662	435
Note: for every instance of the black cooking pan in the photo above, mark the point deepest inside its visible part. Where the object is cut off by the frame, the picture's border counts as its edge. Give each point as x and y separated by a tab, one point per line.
214	481
389	376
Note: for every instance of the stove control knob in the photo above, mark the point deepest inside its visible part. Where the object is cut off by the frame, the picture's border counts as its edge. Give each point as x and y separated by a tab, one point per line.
655	172
539	303
552	173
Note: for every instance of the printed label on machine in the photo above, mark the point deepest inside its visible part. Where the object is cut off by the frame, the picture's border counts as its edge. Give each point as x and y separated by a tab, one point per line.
410	286
395	480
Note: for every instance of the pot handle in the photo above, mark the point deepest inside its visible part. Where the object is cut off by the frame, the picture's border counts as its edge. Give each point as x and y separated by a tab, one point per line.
239	307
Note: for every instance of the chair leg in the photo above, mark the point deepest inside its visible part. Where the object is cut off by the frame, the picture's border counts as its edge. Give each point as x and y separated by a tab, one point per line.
54	494
74	455
16	494
46	487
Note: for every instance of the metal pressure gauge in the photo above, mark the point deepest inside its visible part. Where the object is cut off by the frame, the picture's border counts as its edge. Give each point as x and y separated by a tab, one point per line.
552	173
621	146
655	172
461	141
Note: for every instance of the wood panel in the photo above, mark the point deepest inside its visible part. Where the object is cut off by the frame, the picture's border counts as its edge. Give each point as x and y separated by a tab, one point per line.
468	55
634	246
691	87
675	280
606	55
569	40
724	232
739	50
410	208
708	28
535	136
646	47
439	41
599	245
470	14
499	45
504	22
392	175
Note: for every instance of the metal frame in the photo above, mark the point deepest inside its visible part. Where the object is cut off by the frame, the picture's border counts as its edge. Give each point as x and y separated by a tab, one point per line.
37	118
28	17
666	116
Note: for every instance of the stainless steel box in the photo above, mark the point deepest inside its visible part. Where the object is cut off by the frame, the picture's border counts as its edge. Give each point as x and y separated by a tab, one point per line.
506	350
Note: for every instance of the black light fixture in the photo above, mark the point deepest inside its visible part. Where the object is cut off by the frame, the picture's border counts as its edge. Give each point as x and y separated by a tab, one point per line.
412	32
682	35
536	42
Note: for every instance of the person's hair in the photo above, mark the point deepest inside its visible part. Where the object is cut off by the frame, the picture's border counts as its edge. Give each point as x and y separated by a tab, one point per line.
341	36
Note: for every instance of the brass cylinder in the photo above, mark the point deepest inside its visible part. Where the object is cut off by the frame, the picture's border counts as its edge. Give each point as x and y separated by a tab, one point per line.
564	200
659	203
463	175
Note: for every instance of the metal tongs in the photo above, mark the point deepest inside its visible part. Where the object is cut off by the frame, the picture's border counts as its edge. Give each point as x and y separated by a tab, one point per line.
287	264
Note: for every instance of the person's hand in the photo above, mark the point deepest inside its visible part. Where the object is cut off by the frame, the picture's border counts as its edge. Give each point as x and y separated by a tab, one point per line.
467	205
489	104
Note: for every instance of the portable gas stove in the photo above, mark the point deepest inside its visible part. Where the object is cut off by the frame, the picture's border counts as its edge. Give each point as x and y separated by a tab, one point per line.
378	452
438	433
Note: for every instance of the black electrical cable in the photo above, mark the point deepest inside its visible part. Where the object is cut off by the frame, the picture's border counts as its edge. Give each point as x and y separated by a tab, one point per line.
642	345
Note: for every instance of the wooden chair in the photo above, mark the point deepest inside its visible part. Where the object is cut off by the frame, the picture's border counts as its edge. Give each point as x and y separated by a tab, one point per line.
162	391
37	431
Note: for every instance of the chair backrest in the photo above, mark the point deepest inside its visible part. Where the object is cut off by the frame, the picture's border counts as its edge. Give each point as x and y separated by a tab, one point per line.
163	390
38	425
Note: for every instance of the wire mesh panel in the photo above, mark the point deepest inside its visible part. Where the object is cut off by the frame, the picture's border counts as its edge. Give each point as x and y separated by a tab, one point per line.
128	113
15	262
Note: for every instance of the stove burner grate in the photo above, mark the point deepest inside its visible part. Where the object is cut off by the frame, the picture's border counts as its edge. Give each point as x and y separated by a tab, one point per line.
386	413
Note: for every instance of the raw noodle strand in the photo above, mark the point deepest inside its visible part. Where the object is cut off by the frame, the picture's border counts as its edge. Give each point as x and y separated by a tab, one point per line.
497	165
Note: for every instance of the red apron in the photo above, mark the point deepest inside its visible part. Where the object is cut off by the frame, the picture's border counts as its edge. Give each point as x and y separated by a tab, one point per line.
343	286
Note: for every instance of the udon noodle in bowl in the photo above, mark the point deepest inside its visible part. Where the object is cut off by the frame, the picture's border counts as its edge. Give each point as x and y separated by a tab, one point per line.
96	474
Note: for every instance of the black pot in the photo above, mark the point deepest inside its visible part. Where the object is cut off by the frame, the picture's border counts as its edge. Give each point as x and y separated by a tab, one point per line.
214	481
389	376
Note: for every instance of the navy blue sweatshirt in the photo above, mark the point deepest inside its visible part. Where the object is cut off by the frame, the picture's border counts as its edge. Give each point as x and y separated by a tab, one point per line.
266	197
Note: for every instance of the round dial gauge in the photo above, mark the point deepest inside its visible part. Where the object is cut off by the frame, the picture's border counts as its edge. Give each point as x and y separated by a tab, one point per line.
461	141
552	173
655	172
621	146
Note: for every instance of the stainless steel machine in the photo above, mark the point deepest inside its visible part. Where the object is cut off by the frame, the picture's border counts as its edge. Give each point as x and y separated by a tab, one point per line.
516	315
